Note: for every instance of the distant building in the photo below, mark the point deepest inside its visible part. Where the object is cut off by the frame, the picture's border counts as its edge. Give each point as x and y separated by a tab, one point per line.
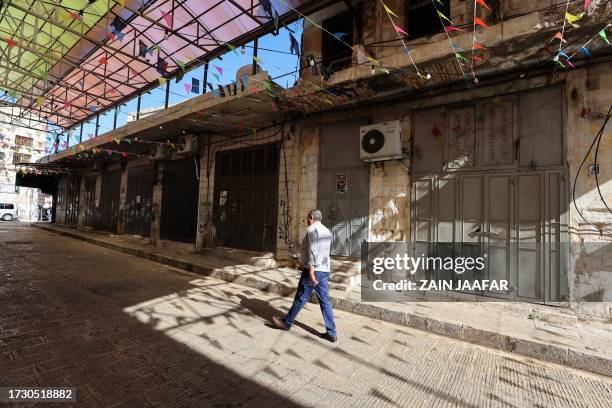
20	145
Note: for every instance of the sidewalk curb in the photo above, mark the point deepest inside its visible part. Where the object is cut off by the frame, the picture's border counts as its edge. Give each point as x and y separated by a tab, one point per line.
456	330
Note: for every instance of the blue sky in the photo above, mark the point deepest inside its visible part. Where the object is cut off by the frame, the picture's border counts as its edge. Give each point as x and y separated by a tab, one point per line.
274	57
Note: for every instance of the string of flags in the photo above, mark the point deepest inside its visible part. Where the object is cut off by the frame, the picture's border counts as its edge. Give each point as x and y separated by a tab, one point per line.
457	50
564	60
476	45
399	30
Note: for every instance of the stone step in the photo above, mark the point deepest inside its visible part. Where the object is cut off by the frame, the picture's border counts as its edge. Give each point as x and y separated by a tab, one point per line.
243	257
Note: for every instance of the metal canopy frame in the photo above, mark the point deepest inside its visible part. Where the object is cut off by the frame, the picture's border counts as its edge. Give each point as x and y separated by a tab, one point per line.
61	62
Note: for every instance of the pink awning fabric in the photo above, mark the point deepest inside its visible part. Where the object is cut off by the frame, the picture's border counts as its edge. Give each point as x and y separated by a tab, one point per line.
178	31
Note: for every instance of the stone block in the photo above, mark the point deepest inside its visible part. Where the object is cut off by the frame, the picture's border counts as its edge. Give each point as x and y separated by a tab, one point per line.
541	351
449	329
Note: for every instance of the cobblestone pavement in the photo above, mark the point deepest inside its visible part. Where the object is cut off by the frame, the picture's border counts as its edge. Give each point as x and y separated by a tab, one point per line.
130	332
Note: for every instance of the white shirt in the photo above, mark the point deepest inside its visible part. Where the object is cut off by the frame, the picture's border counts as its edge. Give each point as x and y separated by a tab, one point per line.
316	247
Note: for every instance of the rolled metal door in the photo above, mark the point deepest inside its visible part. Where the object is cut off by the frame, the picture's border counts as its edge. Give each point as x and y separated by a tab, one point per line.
139	201
108	211
179	211
89	198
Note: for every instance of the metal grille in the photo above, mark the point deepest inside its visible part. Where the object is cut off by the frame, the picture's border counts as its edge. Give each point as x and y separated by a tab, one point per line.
179	211
108	211
138	207
246	195
72	200
89	202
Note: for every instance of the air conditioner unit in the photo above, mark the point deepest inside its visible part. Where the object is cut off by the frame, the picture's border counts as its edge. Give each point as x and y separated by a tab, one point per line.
187	144
158	152
381	141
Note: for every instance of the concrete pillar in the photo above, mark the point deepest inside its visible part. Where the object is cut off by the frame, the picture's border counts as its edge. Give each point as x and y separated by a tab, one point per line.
81	210
156	207
290	165
122	199
308	168
205	235
390	192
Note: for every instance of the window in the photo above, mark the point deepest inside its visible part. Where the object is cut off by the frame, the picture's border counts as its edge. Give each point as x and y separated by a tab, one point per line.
24	141
334	53
9	188
422	18
21	158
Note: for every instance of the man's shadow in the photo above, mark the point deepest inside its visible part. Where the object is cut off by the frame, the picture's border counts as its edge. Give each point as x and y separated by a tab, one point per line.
265	310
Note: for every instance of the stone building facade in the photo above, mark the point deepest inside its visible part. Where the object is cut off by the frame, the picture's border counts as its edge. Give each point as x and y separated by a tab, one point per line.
20	144
497	159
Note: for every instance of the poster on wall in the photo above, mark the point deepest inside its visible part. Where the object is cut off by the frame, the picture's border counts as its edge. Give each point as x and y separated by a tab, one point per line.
341	183
223	197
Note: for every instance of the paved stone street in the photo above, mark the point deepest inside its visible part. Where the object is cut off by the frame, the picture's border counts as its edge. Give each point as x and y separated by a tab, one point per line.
130	332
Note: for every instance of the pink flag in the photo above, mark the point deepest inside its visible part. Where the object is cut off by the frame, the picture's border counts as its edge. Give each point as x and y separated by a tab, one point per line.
399	29
187	87
219	70
168	18
587	3
449	29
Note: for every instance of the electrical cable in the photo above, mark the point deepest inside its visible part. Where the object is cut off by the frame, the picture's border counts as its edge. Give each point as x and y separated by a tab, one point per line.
595	160
580	168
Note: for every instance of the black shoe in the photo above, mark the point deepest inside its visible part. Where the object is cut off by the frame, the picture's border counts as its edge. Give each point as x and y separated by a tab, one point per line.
329	338
279	323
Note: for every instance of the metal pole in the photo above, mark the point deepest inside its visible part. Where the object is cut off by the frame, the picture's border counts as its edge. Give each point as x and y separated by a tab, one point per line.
138	107
205	78
97	124
115	119
167	94
255	56
81	133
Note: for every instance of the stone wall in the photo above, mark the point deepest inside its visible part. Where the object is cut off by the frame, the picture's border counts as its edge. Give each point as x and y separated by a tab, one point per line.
380	39
209	148
588	93
308	167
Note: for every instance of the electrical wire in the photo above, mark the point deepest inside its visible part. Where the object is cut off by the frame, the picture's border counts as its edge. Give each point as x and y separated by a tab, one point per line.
595	160
595	139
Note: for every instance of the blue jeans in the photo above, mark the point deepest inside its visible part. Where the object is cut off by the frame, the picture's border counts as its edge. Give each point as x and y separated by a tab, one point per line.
304	291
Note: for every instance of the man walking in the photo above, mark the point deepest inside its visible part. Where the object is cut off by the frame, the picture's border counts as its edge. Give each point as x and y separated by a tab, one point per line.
316	247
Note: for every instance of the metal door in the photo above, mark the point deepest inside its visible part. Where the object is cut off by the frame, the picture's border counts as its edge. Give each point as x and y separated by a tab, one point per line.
72	200
499	229
179	211
555	230
246	197
139	201
470	221
89	198
343	199
343	188
108	211
528	236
